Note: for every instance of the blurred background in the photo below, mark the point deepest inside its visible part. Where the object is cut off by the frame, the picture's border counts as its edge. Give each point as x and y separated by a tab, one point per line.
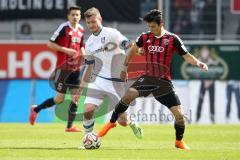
209	28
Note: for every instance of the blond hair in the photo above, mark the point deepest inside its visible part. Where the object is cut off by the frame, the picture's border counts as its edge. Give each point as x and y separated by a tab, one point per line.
92	12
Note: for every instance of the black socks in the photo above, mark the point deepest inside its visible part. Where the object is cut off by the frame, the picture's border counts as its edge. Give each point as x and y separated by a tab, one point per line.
71	114
179	131
120	108
46	104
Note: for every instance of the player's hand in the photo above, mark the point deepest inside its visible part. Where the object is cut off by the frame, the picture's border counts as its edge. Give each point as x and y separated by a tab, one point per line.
71	52
203	66
141	51
124	76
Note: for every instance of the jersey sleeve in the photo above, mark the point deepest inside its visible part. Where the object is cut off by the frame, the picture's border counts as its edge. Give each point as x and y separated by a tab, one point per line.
58	33
139	41
118	36
123	42
179	46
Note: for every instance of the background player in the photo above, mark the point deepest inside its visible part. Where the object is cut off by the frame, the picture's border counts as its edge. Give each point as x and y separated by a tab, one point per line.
67	41
105	55
159	46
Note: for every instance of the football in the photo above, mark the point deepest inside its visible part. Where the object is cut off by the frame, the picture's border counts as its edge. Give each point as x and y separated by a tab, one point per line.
91	141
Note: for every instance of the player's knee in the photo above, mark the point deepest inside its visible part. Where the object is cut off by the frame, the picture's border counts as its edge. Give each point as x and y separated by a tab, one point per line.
88	115
58	99
130	96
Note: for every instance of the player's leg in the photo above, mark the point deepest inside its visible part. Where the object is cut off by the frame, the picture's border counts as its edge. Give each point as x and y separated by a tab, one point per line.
88	117
72	111
120	108
56	81
138	89
59	98
94	98
179	126
172	101
124	121
123	104
73	83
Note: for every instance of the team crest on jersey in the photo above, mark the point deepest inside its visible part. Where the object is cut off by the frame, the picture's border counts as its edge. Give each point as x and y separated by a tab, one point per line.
165	42
148	41
76	40
70	33
103	39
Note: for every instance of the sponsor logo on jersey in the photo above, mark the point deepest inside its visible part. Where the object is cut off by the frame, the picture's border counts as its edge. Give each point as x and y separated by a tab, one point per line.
155	49
110	46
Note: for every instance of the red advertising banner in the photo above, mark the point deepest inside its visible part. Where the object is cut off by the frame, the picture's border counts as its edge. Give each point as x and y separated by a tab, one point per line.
23	61
28	61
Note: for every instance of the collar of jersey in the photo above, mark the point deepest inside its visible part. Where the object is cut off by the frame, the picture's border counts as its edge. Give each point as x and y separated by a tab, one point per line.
98	32
74	29
163	32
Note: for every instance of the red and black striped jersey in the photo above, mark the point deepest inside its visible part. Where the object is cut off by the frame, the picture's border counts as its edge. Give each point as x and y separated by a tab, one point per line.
69	37
159	52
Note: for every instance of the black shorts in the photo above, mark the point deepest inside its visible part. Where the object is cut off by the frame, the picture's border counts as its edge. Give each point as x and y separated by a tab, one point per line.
61	80
161	89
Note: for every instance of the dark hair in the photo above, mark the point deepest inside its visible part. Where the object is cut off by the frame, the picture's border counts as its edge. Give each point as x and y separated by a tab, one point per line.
73	7
153	16
26	28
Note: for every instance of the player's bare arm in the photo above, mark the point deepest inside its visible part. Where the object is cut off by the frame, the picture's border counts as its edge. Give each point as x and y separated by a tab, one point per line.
82	51
131	52
194	61
56	47
141	52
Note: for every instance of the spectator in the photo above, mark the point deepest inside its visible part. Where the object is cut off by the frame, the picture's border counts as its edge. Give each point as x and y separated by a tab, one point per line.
25	32
196	12
180	17
209	19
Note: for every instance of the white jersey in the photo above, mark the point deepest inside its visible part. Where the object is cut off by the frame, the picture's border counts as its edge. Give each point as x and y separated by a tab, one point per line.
107	52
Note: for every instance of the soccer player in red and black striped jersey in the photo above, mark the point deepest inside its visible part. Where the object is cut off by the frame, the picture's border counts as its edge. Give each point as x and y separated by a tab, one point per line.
159	46
67	41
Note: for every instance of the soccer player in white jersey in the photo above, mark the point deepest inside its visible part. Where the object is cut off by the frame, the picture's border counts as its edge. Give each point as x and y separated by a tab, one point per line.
105	55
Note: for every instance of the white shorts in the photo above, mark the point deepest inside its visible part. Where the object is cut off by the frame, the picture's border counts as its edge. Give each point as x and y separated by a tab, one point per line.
102	88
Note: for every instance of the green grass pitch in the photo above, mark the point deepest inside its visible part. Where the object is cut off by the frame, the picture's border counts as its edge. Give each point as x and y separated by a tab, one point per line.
50	142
